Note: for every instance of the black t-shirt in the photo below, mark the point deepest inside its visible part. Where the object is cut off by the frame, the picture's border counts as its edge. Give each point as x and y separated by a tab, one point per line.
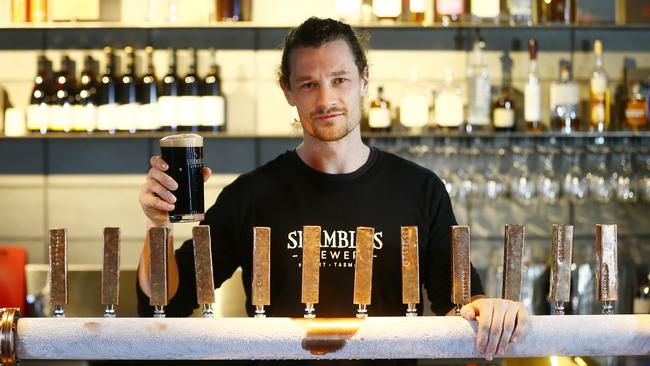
387	192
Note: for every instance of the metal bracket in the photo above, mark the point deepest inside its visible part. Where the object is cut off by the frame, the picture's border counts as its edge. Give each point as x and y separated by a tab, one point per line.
8	323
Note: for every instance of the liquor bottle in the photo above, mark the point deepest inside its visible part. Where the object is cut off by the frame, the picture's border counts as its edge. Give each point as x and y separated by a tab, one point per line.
417	9
636	110
148	96
189	100
521	12
503	114
107	104
564	98
485	11
599	94
168	101
532	92
127	95
478	90
641	303
38	11
234	10
448	113
449	11
85	108
557	11
213	103
63	98
38	111
379	115
387	10
414	105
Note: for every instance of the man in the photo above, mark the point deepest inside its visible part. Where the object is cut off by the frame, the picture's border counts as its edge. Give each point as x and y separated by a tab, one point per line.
334	180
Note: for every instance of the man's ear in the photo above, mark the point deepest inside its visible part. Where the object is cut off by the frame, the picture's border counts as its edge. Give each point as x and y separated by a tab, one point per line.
287	94
364	82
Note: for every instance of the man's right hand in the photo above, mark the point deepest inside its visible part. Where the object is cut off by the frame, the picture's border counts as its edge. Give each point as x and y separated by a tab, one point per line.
156	197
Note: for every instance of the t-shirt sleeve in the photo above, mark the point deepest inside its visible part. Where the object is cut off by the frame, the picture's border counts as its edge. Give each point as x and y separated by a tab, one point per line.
225	258
437	258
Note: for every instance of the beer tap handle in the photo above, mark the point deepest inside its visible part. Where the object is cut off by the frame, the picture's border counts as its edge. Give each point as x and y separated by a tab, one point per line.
363	269
203	268
410	269
461	291
513	250
561	249
261	270
58	270
310	268
111	271
158	270
607	266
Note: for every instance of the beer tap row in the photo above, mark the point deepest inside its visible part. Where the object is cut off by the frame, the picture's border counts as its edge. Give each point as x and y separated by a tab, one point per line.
514	239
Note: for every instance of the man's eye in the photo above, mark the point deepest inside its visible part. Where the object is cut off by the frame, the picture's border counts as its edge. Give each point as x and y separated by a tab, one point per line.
308	85
340	80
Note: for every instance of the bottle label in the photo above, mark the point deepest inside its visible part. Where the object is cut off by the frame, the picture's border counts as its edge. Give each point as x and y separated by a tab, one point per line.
379	118
451	7
61	117
564	94
504	118
448	110
485	8
417	6
598	85
387	8
127	115
213	111
106	117
85	117
479	101
168	111
148	117
190	110
414	111
38	117
532	103
521	7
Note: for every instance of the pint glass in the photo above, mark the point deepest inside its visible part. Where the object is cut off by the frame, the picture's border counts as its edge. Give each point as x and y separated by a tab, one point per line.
184	155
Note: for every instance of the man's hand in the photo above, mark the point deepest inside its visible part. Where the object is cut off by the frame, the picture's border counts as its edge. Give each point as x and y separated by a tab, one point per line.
156	197
500	322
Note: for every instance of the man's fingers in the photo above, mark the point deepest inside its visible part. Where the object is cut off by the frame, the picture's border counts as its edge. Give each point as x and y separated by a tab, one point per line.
469	311
496	329
509	322
484	323
207	172
164	179
158	163
523	322
162	192
153	202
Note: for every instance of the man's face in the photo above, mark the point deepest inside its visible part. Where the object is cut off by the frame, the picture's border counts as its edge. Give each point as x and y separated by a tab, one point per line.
326	88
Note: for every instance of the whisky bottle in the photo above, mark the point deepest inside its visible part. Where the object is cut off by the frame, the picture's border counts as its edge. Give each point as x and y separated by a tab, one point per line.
503	115
189	101
128	106
520	12
414	105
168	101
636	110
532	92
485	11
599	94
107	93
448	112
564	98
38	111
387	10
148	96
85	108
213	101
449	11
478	90
557	11
417	9
379	115
63	99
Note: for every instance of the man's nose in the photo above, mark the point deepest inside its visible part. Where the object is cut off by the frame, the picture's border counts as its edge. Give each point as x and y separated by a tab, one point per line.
326	98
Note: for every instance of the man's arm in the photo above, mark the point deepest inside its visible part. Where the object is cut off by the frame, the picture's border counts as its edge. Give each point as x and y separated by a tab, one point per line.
156	199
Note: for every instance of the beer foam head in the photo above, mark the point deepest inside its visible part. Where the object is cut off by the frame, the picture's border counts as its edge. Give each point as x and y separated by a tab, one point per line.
182	140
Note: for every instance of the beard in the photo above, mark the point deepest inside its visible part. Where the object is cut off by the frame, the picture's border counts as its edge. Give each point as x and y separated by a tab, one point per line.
334	130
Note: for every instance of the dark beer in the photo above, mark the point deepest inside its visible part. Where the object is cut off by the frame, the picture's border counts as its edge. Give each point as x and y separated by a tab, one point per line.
184	155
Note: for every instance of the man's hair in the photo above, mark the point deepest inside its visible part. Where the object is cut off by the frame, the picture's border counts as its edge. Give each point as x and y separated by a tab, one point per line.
314	32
